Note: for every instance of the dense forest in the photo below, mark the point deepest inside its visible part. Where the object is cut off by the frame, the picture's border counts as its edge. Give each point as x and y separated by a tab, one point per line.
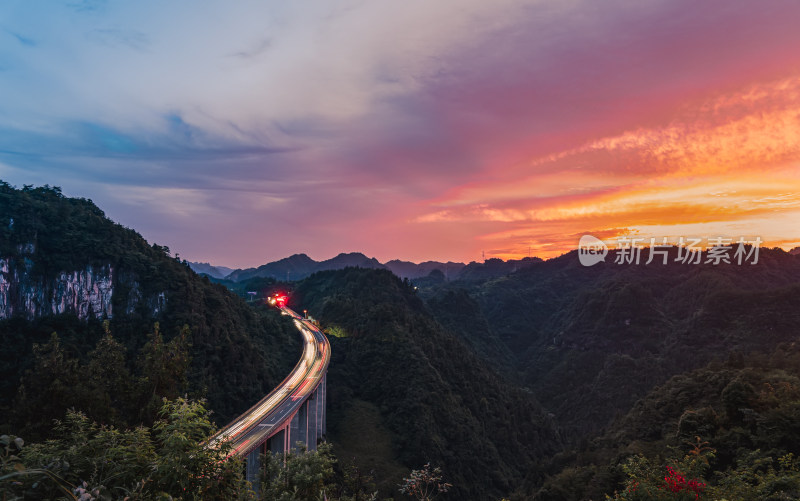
532	379
631	359
734	426
591	341
627	361
184	335
437	401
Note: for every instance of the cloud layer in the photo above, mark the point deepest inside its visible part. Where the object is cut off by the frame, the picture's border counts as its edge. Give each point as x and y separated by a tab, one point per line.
242	132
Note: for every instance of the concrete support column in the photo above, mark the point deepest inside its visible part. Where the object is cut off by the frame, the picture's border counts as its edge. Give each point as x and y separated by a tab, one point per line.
294	431
313	416
323	422
277	442
253	466
298	427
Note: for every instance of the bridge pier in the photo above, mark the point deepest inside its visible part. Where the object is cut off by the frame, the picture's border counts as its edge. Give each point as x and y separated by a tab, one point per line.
322	421
316	415
312	403
307	425
276	444
253	466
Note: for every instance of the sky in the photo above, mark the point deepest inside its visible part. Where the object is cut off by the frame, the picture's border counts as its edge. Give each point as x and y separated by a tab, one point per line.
239	133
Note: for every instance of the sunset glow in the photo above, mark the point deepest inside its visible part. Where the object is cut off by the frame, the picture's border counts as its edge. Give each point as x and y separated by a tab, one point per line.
248	132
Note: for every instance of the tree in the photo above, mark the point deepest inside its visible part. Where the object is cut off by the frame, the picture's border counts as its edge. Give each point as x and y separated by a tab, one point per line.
164	367
171	460
108	381
356	485
296	476
424	484
93	456
48	389
185	467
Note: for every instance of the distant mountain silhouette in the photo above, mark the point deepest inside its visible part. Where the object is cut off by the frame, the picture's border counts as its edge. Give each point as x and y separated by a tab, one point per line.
299	266
494	268
352	259
210	270
407	269
294	267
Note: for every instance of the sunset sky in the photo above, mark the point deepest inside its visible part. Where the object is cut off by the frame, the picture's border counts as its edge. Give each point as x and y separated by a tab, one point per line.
242	132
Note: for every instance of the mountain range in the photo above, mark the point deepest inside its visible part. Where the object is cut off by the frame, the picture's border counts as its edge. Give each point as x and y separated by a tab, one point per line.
211	270
528	379
300	266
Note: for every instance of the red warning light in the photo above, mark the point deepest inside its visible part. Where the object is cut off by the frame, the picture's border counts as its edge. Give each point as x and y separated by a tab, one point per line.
278	300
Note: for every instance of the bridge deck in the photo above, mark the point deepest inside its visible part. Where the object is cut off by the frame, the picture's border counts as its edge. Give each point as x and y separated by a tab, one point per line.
275	412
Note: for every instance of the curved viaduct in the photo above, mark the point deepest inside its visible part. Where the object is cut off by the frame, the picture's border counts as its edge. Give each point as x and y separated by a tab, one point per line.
294	411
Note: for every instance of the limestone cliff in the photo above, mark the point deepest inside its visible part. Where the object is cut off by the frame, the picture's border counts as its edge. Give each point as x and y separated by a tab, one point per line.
85	292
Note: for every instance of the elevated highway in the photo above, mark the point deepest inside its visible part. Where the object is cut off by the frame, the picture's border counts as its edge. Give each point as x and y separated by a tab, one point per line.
293	412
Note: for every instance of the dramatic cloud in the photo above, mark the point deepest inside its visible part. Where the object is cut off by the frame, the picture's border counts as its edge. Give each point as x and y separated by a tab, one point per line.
241	132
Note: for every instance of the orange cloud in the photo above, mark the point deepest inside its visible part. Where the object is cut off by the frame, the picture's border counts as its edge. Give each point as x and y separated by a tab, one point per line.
705	170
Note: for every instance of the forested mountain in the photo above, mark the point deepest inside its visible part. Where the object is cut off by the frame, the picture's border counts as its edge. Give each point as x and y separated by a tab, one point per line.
493	268
594	344
294	267
299	266
629	359
436	400
590	341
131	322
345	260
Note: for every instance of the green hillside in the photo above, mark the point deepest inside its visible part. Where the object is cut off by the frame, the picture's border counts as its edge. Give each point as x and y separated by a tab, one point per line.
595	345
745	412
590	341
210	342
438	402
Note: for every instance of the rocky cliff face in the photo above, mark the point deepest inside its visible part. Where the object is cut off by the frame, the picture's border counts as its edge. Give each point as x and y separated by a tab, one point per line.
85	292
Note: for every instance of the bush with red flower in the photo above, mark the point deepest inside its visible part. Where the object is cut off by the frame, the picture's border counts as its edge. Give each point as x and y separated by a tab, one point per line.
653	480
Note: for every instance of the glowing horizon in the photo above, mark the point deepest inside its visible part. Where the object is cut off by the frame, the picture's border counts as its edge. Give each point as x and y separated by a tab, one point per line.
245	133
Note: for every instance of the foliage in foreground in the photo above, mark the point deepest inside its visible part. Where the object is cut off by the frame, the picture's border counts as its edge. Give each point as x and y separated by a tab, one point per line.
315	475
756	477
169	461
303	475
